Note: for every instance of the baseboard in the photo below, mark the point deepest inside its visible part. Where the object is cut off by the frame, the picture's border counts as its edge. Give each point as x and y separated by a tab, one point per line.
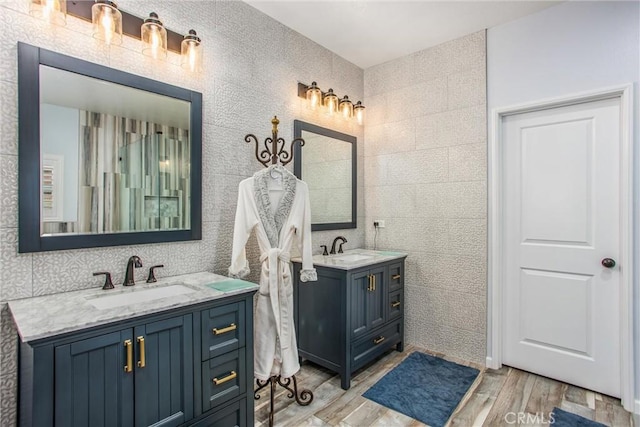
489	363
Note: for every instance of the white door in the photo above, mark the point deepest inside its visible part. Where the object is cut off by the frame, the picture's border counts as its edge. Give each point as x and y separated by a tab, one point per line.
561	220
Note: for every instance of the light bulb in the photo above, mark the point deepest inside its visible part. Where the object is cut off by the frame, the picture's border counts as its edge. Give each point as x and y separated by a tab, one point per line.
191	52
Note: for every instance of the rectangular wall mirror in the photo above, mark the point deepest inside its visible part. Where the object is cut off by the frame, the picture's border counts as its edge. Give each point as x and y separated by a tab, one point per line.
327	163
105	157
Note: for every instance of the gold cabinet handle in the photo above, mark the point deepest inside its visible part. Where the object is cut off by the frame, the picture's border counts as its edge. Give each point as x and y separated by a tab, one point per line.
231	327
229	377
396	277
143	360
378	340
374	282
369	286
128	345
395	304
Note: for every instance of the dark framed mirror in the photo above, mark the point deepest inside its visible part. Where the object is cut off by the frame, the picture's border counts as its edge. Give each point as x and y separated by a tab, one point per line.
106	158
328	164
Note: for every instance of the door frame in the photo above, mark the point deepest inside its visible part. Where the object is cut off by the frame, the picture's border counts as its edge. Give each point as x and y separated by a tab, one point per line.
495	272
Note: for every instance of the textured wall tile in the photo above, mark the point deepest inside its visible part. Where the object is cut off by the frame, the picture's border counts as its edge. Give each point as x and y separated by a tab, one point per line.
377	110
468	162
350	77
9	108
464	273
15	269
241	21
392	201
222	207
457	127
389	76
458	55
391	137
452	200
417	167
308	55
9	191
468	236
417	100
467	88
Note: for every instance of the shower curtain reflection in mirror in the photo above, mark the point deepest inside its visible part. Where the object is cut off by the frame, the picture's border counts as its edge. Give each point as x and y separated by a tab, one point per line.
120	174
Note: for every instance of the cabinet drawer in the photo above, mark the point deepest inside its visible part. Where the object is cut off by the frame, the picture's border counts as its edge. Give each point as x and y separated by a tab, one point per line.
396	279
374	344
223	378
396	301
233	415
223	329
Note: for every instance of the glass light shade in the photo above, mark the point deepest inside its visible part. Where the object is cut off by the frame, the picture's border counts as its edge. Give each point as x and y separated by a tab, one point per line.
346	107
154	37
107	22
314	96
191	52
358	110
54	11
331	102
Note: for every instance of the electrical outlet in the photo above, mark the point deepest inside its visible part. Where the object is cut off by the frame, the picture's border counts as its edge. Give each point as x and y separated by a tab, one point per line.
378	223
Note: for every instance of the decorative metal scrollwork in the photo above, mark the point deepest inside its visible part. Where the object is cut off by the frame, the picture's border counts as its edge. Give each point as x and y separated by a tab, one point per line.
274	148
303	398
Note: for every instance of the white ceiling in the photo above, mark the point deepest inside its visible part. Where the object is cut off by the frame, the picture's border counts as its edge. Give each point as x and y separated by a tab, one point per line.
370	32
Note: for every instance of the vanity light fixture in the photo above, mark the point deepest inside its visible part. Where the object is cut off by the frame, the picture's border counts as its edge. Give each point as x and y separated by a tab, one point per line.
330	102
54	11
314	96
191	52
358	110
346	107
154	37
107	22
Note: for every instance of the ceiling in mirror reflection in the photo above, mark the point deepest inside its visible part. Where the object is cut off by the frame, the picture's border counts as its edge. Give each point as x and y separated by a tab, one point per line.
59	87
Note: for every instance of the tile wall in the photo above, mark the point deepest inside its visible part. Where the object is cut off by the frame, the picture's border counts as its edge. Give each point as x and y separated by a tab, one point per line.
252	66
425	175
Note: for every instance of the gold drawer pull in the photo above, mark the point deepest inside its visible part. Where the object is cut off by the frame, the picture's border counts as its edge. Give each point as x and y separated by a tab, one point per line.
378	340
229	377
231	327
129	346
395	304
143	360
395	277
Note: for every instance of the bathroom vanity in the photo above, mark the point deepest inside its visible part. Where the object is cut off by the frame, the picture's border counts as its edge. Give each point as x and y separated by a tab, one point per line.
178	352
353	313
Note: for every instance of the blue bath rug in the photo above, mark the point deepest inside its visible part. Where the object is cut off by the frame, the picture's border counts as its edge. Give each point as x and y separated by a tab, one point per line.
424	387
567	419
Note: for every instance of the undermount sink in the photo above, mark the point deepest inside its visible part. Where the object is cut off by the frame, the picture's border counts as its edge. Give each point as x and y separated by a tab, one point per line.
103	302
352	257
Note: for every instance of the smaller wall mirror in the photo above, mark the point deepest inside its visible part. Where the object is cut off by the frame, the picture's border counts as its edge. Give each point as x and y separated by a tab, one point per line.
327	163
106	158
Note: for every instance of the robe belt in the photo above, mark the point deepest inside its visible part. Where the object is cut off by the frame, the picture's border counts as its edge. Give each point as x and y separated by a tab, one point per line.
276	262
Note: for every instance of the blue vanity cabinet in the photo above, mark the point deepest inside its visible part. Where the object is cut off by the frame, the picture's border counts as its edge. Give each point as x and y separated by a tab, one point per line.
347	318
98	384
160	369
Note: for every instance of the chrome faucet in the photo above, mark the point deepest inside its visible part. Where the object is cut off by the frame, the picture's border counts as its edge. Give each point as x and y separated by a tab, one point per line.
333	246
134	262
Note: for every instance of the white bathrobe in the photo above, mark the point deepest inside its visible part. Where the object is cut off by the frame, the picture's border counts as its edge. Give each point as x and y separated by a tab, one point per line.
276	204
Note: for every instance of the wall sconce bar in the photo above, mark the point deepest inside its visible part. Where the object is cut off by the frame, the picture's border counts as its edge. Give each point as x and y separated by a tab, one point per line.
344	105
130	23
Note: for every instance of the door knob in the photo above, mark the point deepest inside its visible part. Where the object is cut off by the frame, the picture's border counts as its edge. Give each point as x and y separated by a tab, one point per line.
608	262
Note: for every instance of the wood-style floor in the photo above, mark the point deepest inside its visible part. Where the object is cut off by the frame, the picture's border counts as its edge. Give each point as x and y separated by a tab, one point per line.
494	395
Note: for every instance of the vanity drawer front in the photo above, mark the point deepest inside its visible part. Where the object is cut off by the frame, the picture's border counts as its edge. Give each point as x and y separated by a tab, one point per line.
396	303
223	329
234	414
223	378
396	276
366	349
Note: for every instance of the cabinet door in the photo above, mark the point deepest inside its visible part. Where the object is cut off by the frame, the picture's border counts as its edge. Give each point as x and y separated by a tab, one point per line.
92	387
376	306
360	289
164	372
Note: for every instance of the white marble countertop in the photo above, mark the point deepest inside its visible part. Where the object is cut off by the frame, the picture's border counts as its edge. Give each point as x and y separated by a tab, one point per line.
50	315
354	258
